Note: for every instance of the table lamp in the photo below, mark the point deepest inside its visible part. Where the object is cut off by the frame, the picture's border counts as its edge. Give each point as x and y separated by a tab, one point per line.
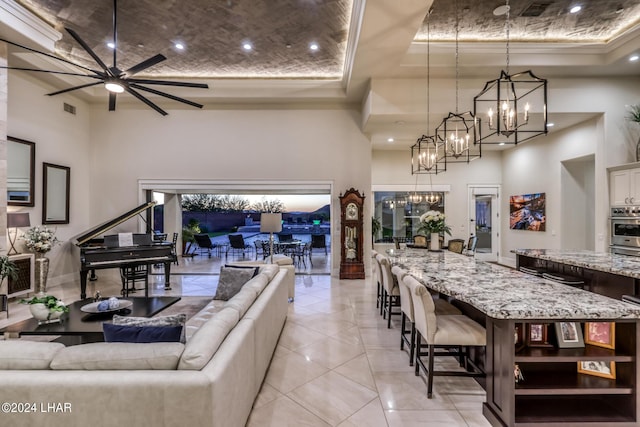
271	223
16	220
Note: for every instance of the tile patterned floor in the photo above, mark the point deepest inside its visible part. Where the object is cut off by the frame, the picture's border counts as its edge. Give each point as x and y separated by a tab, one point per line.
336	363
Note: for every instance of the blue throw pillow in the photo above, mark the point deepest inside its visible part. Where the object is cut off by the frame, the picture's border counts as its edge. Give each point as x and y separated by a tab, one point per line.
141	334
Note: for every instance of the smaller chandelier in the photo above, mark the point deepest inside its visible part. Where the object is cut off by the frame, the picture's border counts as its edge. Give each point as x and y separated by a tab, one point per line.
427	156
415	198
459	133
432	198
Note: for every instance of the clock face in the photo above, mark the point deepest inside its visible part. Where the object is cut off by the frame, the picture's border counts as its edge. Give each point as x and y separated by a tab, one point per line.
352	211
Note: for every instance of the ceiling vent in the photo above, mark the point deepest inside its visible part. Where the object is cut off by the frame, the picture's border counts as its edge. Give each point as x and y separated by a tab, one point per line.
69	108
536	8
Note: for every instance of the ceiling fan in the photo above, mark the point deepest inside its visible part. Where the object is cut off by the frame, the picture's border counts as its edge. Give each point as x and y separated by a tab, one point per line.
114	79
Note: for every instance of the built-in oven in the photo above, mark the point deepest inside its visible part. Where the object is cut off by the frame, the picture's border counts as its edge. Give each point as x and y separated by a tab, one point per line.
625	230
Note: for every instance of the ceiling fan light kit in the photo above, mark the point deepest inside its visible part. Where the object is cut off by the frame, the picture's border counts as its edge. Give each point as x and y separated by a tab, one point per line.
114	79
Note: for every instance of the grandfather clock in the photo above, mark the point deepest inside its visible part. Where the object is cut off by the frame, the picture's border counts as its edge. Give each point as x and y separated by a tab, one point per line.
351	231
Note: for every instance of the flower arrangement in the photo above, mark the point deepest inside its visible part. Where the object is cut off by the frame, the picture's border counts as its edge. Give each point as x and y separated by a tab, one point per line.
433	222
49	301
40	239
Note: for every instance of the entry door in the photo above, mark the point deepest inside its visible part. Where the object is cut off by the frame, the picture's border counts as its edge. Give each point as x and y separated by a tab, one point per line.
484	221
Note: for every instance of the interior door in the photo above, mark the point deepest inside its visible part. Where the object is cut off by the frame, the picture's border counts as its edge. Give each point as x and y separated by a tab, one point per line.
484	221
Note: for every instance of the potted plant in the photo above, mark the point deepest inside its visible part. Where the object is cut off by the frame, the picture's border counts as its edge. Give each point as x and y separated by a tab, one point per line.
7	269
193	227
634	117
375	228
432	223
46	308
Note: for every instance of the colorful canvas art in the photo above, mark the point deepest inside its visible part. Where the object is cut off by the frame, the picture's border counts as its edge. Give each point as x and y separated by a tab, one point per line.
527	212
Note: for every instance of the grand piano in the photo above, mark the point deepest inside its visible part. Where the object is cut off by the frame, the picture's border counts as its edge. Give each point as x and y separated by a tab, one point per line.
99	253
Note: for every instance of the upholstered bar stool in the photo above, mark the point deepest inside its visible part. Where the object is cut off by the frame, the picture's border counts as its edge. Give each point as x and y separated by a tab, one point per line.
440	331
391	295
408	336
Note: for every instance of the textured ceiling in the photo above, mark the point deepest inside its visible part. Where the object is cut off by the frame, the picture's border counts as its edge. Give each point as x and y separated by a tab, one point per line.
599	21
213	32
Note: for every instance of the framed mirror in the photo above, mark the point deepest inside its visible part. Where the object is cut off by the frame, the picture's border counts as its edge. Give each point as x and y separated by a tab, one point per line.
56	181
21	163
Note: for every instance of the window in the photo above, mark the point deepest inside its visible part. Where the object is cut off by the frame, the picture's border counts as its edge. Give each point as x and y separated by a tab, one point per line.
399	212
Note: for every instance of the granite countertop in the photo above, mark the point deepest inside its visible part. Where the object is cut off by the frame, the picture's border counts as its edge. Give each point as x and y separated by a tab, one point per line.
504	293
622	265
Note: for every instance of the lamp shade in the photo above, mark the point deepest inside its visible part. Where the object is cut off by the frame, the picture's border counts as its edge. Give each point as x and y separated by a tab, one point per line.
271	222
18	219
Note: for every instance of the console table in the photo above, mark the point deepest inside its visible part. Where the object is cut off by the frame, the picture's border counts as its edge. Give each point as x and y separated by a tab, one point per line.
553	392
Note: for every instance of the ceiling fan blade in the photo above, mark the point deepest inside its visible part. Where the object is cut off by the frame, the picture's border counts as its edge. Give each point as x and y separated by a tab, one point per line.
73	88
146	101
166	95
49	55
88	50
112	101
52	72
169	83
145	64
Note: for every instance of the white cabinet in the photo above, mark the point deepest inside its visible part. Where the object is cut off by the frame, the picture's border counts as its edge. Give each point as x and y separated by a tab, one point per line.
624	187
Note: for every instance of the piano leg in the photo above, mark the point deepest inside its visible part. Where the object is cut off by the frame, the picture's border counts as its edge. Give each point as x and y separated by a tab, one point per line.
167	273
83	283
93	276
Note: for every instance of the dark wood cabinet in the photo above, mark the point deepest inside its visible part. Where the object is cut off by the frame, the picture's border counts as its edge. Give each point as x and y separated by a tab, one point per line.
351	235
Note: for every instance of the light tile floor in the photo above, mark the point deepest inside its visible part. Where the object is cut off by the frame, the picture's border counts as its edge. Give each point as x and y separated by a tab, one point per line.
336	363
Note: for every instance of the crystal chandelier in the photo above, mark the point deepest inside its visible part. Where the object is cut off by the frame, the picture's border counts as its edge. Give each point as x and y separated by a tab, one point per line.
427	154
459	131
515	105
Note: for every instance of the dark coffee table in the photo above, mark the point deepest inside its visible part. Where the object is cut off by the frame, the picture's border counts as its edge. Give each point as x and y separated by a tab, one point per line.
77	327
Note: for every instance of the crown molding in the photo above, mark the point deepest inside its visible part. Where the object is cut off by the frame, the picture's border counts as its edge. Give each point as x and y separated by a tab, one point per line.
21	26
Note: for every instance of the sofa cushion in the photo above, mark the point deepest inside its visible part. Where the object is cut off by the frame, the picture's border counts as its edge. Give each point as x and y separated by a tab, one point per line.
171	320
141	334
258	283
205	341
118	356
22	354
242	301
231	281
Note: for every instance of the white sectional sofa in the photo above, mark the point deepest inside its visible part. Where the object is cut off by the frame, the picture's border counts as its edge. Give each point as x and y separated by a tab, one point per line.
212	380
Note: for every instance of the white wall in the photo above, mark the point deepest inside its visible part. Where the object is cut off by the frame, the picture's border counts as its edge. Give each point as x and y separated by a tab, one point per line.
63	139
535	167
129	145
578	199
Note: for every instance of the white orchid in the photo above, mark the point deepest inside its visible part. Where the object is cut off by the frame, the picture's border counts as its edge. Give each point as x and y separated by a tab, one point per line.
433	222
40	239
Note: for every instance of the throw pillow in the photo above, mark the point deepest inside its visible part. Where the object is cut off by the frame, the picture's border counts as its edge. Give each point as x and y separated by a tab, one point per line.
231	281
255	268
172	320
141	334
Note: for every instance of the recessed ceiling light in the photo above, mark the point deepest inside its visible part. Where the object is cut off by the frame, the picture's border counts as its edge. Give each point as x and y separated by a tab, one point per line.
247	46
502	143
550	125
179	46
314	46
634	58
575	9
501	10
111	45
390	139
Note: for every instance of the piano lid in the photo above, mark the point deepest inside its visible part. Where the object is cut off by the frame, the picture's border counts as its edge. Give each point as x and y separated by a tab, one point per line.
86	236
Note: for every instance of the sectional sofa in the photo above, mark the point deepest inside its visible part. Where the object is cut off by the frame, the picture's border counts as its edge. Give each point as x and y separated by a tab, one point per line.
211	380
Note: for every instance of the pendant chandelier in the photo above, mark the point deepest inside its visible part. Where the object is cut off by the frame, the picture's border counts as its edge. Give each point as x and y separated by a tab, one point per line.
427	154
514	106
459	131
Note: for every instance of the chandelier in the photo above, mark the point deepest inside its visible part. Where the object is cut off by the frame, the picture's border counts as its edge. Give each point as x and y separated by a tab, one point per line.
514	105
458	132
427	154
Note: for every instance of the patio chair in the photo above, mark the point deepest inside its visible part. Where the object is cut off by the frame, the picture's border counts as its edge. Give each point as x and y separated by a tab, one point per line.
174	250
285	237
237	244
262	248
318	241
204	243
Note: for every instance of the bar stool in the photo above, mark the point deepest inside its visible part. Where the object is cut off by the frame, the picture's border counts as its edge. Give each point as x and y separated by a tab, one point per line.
442	332
406	306
391	291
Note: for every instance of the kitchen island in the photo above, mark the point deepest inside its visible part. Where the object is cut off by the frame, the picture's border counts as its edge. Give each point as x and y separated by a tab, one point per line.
553	392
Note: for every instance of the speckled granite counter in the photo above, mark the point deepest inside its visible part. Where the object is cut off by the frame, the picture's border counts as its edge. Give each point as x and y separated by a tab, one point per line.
621	265
504	293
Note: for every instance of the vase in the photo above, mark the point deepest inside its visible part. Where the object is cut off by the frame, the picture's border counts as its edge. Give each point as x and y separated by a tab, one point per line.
434	242
42	314
41	273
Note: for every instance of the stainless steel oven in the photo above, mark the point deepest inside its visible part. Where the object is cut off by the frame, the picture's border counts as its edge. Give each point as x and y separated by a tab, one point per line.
625	230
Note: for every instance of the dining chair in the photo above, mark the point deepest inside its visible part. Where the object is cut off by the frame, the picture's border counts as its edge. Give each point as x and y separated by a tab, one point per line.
391	296
453	332
130	275
420	241
319	241
456	245
377	278
471	245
